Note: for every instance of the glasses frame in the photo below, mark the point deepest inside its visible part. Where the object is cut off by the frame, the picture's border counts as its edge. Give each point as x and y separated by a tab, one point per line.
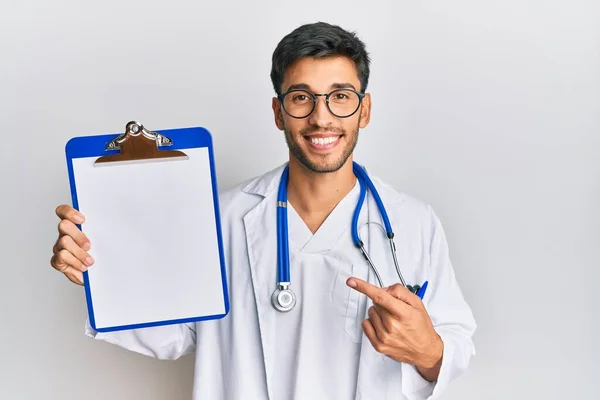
281	97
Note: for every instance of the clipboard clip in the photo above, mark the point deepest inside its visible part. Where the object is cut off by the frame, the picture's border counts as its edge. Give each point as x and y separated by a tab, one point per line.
139	144
134	128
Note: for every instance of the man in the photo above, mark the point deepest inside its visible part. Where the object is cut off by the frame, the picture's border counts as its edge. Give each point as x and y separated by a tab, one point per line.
346	338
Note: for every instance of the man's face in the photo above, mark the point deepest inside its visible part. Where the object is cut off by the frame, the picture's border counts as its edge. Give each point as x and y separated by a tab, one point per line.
322	142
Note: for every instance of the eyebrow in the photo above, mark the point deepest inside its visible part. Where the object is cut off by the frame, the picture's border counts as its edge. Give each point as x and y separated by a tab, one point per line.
333	86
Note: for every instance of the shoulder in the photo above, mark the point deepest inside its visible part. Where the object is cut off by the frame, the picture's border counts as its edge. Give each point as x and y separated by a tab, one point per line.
410	212
396	198
238	200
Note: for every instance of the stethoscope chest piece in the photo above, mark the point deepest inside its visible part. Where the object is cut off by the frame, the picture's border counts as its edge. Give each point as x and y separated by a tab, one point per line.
283	299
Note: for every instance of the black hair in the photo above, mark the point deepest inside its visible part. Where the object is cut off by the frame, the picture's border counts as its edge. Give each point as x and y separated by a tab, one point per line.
319	40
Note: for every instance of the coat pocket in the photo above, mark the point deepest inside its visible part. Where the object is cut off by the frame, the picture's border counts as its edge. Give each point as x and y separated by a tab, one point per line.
350	302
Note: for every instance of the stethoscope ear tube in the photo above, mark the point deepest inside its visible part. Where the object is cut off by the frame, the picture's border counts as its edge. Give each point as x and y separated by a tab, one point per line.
365	179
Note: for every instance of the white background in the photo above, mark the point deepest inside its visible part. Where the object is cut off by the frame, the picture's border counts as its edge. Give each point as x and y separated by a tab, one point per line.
489	111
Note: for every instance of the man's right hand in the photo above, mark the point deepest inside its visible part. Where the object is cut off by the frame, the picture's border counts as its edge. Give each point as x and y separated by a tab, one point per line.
70	252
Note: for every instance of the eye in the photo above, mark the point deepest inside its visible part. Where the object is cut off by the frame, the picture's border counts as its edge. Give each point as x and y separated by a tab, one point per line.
300	97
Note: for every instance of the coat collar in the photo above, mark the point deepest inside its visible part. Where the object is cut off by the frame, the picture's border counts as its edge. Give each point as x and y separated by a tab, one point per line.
266	183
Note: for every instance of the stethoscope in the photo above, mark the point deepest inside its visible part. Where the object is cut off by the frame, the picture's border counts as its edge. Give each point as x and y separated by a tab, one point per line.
283	298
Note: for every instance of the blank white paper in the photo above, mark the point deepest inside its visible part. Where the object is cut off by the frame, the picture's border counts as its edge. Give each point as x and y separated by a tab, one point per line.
153	237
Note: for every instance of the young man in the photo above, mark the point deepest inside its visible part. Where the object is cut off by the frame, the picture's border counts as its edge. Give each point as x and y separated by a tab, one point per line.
345	338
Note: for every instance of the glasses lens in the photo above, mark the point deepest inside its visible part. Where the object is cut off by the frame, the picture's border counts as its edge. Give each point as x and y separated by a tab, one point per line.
298	103
343	103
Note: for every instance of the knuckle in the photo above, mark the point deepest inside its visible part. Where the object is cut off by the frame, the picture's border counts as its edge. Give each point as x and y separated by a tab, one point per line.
379	347
396	288
63	224
62	255
379	298
391	325
384	338
74	276
388	324
64	241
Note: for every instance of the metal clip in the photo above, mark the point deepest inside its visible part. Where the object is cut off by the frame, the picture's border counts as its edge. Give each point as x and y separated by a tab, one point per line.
134	128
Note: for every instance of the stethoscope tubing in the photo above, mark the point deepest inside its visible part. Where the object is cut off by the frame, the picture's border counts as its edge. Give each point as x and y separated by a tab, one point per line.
283	270
282	234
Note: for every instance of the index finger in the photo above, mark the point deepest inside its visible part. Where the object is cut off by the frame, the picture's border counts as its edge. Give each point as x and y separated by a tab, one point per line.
380	297
67	212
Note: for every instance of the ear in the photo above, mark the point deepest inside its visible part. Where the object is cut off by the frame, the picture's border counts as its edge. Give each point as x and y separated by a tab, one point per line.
278	113
365	111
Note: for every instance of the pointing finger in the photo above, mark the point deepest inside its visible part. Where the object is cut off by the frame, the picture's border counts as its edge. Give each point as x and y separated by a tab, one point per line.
364	287
379	296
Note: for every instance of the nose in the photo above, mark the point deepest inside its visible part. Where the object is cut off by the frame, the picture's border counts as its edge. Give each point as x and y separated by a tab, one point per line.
321	115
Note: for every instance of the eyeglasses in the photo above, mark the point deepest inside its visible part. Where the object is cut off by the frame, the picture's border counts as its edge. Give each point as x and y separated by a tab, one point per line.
342	103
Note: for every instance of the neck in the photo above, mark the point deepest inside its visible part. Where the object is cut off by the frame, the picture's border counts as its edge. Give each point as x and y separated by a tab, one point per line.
314	195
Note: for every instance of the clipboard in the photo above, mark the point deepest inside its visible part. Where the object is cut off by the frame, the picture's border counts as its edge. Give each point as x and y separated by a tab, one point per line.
153	220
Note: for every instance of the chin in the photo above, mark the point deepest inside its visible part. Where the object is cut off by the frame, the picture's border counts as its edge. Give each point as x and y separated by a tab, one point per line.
322	167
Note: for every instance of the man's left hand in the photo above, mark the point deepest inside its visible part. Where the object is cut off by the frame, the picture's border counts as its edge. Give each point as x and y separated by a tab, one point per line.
399	327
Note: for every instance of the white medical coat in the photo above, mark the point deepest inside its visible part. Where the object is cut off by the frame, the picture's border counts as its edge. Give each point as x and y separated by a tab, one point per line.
243	356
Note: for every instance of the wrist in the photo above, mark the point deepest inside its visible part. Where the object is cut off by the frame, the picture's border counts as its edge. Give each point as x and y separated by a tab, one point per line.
433	359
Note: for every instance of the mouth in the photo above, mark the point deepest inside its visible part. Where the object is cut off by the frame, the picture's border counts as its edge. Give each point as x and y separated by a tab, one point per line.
323	142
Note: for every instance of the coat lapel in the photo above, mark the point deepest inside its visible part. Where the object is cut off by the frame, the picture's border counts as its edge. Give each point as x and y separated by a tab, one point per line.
377	374
261	240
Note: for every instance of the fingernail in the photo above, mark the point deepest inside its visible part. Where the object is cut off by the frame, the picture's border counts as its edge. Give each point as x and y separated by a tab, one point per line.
79	218
89	261
352	283
86	246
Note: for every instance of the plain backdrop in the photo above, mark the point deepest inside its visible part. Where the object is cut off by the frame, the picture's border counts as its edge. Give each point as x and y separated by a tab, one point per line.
487	110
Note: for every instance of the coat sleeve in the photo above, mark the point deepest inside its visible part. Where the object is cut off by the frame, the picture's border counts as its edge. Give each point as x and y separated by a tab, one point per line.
451	317
168	342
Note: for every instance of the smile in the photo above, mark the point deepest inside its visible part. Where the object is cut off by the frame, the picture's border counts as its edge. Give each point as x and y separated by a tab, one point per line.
323	142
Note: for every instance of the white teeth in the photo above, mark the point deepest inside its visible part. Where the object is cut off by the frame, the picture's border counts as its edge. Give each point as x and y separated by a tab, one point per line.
324	141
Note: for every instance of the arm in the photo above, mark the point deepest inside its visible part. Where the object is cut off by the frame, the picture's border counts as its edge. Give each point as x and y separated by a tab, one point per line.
168	342
432	373
431	338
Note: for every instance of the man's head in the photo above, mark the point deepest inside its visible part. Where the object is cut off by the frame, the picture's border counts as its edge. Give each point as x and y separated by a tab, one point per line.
321	59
